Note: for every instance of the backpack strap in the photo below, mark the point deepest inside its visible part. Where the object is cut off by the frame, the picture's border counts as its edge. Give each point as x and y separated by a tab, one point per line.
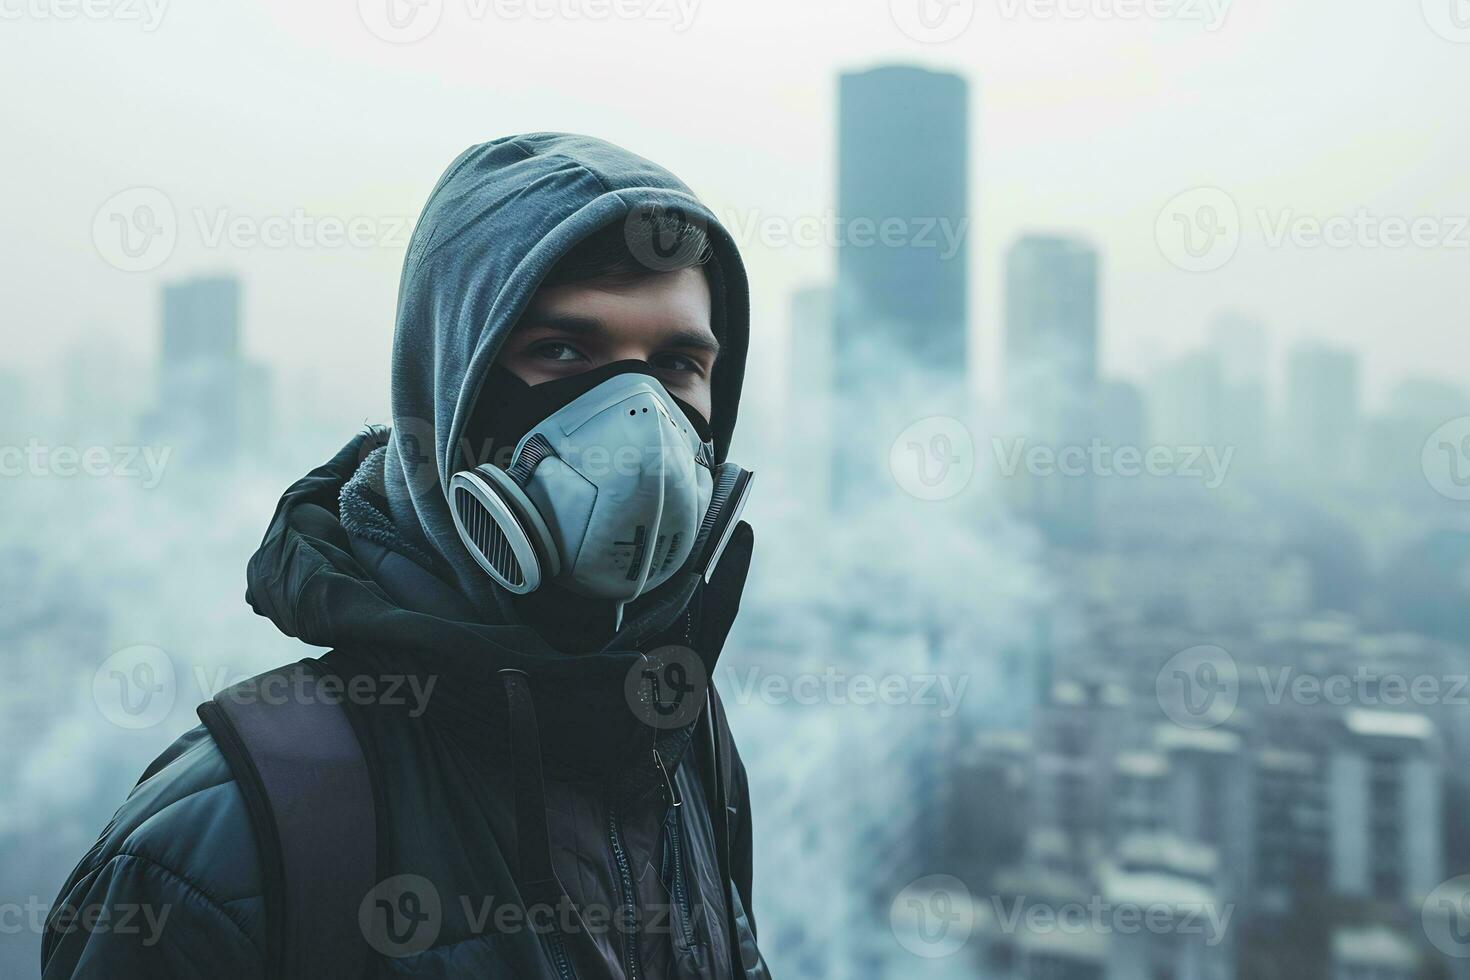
307	785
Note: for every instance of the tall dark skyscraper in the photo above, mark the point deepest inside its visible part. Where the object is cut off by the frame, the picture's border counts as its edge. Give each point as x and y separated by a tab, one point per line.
901	302
205	385
1051	353
201	320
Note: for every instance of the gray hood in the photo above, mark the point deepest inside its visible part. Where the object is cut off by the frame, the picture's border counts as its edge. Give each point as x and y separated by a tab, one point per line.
497	222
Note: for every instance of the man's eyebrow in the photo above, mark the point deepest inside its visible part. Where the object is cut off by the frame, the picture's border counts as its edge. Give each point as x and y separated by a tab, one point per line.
587	326
694	340
567	322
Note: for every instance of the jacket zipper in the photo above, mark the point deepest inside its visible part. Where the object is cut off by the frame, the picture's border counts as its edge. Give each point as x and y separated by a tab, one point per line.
681	896
559	956
630	902
615	837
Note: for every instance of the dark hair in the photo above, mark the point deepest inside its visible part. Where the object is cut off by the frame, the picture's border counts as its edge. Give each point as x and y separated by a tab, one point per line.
649	242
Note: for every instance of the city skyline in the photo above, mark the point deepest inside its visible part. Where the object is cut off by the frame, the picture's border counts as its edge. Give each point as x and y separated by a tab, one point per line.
1115	688
1084	128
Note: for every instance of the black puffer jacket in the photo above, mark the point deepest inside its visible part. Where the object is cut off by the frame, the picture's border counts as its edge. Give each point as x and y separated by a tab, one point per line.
438	739
649	834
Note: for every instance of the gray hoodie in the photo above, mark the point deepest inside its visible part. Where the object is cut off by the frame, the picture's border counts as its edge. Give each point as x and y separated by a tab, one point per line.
499	219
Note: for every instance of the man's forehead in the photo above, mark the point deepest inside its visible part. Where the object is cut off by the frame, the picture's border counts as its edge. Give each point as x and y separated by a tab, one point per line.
622	312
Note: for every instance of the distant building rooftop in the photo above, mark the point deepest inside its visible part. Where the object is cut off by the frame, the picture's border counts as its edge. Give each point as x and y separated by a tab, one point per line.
1171	737
1168	854
1142	765
1389	724
1153	888
1286	761
1376	946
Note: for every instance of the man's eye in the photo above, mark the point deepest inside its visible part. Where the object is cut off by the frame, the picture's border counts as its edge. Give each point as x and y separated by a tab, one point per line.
677	362
556	351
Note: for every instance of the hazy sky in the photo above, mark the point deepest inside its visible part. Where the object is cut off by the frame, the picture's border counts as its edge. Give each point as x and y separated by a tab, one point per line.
1088	122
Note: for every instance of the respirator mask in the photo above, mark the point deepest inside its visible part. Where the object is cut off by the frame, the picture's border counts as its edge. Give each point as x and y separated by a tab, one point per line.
609	490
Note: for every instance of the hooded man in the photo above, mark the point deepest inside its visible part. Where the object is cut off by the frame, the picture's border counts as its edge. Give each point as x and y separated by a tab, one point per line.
524	587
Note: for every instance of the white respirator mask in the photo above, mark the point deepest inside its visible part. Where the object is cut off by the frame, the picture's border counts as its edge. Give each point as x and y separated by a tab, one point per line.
608	496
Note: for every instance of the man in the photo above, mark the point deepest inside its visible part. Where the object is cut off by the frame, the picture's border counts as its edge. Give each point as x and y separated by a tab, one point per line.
523	586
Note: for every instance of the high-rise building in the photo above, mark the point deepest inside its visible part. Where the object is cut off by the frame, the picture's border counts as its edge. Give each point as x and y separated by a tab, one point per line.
1051	354
1077	740
1122	419
1290	821
1390	458
201	321
1212	798
207	392
1384	796
1051	314
901	303
1186	401
1323	405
